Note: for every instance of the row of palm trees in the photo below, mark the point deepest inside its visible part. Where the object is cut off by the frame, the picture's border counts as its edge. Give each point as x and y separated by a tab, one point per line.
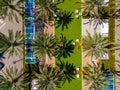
45	10
48	77
43	44
97	45
97	11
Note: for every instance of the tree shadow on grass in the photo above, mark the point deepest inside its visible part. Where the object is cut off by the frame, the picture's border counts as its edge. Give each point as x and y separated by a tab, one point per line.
63	19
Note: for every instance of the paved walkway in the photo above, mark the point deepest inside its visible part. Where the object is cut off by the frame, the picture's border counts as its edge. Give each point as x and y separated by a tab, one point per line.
4	29
86	60
117	57
50	30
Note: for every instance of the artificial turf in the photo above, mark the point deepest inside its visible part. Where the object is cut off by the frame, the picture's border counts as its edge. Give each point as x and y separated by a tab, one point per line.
73	32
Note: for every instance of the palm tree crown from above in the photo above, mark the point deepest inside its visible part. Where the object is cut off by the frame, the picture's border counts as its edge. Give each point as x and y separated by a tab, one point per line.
45	9
90	6
95	45
66	69
10	9
48	79
11	44
44	43
65	47
95	78
13	79
93	9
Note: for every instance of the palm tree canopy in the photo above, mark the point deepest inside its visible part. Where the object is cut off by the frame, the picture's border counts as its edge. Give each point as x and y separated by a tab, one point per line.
45	9
65	47
13	79
66	70
95	11
95	45
11	44
44	43
10	9
48	79
63	19
95	78
91	6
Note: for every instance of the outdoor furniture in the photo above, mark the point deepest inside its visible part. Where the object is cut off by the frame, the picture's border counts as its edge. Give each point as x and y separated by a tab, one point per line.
1	65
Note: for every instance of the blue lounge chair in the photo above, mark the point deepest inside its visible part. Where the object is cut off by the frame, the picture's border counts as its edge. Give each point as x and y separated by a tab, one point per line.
1	65
1	56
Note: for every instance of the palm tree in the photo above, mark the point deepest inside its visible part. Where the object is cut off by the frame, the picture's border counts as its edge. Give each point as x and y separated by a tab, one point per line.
48	79
95	11
66	69
91	6
65	47
63	19
95	45
13	79
45	9
11	44
95	78
44	44
10	9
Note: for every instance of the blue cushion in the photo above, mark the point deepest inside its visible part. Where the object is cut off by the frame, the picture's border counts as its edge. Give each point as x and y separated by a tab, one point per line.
1	65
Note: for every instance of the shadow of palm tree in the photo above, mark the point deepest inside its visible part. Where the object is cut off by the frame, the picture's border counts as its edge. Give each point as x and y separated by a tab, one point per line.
63	19
98	18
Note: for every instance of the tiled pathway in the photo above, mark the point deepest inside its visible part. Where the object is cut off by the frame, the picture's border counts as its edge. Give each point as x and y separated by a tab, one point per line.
117	57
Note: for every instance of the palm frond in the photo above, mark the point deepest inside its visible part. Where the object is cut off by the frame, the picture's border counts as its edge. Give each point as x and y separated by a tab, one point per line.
11	44
13	79
44	43
48	79
95	45
10	9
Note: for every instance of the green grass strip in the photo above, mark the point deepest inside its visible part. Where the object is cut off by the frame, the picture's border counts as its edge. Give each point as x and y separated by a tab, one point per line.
73	32
112	35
